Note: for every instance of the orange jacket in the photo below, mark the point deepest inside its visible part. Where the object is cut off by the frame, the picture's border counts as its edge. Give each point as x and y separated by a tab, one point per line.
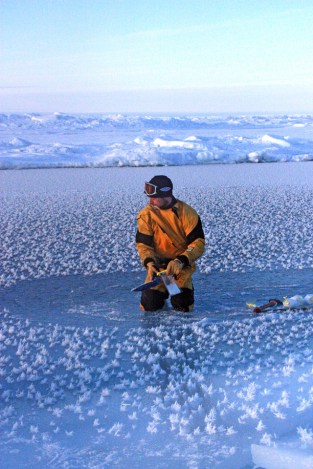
170	233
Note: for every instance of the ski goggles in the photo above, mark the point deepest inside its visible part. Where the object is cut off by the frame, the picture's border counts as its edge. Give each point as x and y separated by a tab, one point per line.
150	189
153	190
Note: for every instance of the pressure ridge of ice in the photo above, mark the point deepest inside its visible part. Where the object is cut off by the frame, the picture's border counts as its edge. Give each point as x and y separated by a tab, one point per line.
61	140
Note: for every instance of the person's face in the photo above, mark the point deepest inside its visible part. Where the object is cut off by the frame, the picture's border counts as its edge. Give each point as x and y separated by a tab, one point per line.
160	202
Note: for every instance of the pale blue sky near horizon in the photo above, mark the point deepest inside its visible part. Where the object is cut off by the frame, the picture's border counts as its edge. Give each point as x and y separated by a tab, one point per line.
156	56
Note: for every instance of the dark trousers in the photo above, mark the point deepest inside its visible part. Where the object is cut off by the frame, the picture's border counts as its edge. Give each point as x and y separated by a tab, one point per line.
152	300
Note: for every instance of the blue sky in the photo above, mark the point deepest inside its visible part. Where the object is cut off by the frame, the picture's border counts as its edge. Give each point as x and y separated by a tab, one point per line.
156	55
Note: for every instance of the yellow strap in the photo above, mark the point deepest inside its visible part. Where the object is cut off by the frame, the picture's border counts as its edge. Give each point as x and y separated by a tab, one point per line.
161	272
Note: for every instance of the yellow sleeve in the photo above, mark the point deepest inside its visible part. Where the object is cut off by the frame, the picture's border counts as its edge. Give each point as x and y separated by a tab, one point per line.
144	238
194	233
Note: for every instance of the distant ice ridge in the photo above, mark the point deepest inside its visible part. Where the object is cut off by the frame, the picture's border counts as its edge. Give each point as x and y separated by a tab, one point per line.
59	120
62	140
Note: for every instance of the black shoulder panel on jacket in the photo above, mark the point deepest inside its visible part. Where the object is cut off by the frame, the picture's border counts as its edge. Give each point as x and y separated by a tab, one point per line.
144	239
196	233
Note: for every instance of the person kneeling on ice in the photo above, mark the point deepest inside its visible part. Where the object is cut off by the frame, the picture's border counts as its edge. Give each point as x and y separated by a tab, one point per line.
169	236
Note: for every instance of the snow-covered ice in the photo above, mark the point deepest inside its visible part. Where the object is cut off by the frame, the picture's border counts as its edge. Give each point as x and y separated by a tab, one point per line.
88	380
62	140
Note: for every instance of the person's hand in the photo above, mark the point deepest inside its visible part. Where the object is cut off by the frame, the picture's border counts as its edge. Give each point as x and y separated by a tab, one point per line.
174	267
152	270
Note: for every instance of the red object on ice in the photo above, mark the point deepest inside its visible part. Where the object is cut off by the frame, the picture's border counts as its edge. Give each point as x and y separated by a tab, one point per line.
270	304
